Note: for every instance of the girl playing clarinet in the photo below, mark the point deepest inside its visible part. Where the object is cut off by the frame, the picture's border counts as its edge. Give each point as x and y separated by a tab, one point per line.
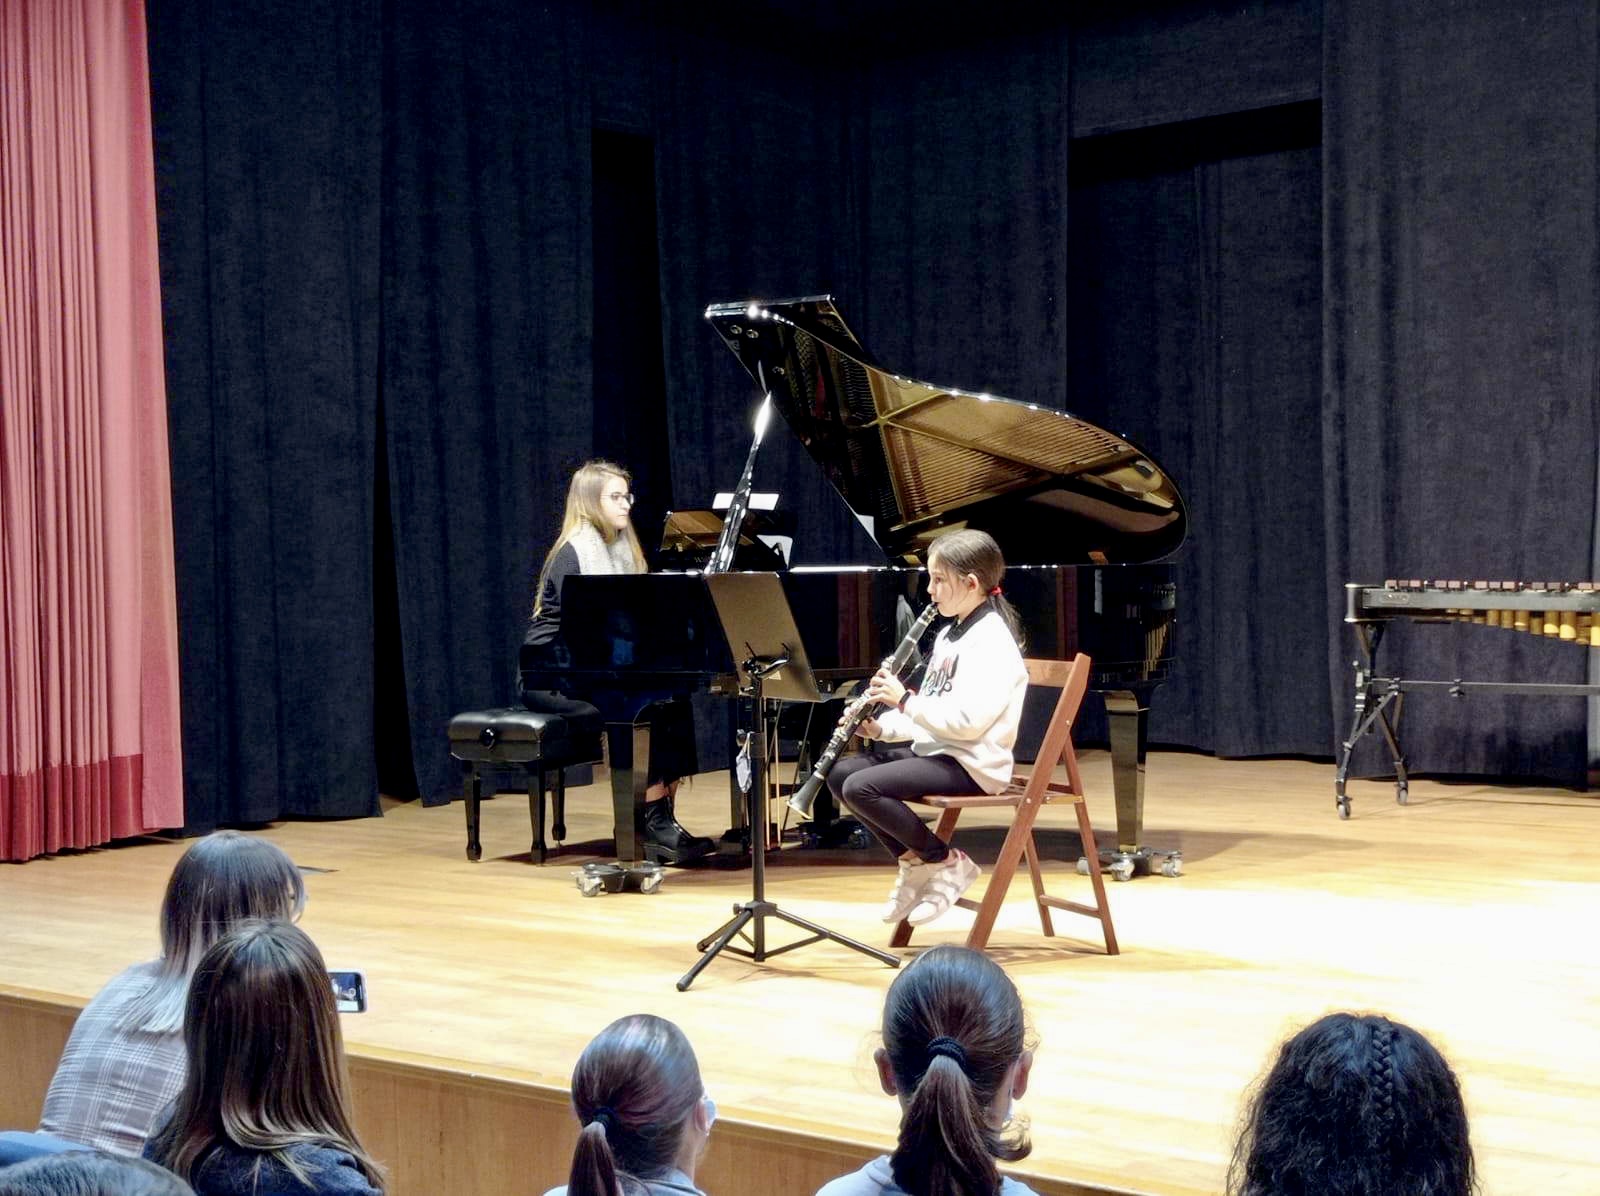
961	725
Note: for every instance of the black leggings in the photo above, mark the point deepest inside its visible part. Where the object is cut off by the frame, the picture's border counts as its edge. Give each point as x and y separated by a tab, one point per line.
876	784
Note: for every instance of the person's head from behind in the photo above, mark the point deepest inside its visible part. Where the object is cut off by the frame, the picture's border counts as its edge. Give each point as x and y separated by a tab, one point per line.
638	1095
265	1053
599	494
1355	1105
89	1173
222	880
955	1051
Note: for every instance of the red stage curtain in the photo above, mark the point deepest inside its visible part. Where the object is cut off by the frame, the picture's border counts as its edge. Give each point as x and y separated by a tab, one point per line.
89	735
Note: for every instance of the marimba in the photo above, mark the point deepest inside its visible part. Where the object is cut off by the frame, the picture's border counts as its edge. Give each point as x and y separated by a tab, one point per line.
1568	611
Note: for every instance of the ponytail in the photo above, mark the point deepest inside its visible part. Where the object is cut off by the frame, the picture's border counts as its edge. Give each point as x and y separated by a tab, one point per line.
594	1168
954	1032
946	1147
1006	611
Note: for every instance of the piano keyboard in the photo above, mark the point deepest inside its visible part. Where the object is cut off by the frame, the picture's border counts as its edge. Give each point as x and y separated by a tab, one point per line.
1564	610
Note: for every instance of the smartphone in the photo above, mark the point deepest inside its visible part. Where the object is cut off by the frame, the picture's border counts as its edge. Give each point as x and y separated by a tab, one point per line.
349	991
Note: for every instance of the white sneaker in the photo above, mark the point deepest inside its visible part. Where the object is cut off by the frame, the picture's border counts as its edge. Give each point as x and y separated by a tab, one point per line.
954	876
907	889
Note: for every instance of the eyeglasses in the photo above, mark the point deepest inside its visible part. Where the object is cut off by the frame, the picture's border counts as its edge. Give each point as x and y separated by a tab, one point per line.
622	497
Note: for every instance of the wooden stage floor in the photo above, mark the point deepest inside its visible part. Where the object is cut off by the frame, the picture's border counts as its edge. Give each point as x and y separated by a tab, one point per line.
1468	913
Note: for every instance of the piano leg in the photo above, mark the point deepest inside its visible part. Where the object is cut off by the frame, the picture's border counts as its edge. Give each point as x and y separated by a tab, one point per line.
630	746
1127	715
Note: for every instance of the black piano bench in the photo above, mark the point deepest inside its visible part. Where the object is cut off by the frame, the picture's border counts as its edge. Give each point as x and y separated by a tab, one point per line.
546	745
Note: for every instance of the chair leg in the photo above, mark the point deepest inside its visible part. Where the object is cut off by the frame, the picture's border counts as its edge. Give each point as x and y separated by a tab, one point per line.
536	810
1091	852
946	828
1005	867
1031	852
471	797
558	807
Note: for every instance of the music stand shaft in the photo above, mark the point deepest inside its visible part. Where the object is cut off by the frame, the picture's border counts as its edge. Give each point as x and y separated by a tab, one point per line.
758	909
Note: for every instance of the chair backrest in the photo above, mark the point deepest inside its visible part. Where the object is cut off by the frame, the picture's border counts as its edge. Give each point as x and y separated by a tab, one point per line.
1072	678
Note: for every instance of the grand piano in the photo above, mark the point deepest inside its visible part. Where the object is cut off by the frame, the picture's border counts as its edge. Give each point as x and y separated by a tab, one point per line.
1079	512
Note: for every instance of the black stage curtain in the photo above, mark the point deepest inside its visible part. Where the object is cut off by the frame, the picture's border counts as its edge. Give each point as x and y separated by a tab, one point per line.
1461	313
1196	333
486	350
267	127
752	186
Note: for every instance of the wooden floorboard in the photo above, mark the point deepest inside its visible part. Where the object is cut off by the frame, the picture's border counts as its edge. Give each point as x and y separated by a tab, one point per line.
1468	913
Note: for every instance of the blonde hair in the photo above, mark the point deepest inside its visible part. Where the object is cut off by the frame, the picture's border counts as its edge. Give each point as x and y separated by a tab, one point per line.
266	1057
583	510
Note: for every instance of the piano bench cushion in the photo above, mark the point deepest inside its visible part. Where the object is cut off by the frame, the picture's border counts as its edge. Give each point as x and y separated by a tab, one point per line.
515	735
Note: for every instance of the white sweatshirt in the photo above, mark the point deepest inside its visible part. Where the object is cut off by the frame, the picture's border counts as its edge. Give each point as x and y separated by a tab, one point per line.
970	702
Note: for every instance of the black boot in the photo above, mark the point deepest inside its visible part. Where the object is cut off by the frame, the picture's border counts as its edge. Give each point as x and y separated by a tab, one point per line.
667	842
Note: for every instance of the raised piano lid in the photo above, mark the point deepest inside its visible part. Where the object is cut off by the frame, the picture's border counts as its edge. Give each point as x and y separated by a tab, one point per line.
913	459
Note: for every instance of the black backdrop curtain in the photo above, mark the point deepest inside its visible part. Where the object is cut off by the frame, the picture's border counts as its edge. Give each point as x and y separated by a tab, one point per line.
267	130
379	215
1461	317
485	337
1195	292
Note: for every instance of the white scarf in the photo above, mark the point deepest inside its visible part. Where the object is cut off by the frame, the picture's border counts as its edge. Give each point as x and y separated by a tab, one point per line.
596	556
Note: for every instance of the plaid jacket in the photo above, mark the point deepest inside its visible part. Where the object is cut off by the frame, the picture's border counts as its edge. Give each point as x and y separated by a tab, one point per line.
112	1084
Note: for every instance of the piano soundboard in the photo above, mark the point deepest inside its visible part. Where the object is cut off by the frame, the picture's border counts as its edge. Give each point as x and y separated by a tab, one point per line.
1568	611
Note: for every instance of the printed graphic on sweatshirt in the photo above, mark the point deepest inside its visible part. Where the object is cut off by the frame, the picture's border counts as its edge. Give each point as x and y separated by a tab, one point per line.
941	675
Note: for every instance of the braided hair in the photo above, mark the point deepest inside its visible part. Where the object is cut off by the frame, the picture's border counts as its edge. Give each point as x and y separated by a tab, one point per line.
1355	1105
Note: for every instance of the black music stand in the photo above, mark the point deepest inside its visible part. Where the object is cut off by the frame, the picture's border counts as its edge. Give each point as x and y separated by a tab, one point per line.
755	616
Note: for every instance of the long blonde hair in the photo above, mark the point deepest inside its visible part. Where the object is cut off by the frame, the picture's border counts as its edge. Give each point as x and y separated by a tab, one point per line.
583	510
266	1057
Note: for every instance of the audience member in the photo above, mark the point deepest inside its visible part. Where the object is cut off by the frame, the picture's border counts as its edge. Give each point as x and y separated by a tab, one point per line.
123	1062
646	1118
955	1051
89	1173
1355	1105
265	1109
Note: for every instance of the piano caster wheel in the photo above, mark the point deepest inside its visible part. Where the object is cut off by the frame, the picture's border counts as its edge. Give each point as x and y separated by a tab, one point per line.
474	853
1083	865
590	886
650	882
1401	794
1172	867
1122	870
1344	807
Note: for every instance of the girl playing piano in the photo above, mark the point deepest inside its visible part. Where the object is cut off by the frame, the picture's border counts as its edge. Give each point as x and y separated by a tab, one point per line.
597	536
961	726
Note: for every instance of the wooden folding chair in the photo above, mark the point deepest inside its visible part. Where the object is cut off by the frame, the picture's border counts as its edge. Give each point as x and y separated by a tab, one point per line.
1028	792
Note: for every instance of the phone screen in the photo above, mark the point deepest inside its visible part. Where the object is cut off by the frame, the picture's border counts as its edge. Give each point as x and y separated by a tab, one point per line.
349	991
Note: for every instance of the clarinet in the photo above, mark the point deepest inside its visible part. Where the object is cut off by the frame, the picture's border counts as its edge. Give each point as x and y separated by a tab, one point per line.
863	708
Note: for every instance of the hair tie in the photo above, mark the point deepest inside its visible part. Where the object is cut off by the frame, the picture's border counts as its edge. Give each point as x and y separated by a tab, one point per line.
948	1048
606	1118
995	593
